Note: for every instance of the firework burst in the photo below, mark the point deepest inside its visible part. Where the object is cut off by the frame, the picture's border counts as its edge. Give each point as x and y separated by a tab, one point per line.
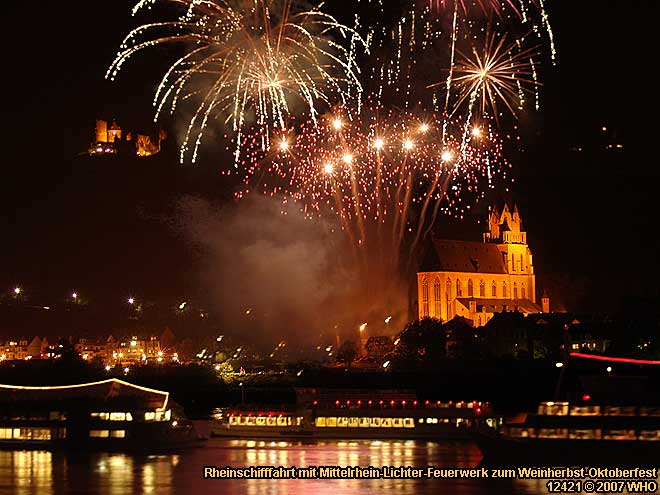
247	62
385	175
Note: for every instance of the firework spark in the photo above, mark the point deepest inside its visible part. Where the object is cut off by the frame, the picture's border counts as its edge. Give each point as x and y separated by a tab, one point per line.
247	62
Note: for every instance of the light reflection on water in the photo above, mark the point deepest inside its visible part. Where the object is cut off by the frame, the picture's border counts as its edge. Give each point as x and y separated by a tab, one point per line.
45	473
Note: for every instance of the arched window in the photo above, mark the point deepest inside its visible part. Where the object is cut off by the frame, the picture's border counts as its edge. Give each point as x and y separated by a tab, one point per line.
493	289
522	291
470	288
515	290
521	262
448	289
505	293
482	289
437	303
459	290
425	297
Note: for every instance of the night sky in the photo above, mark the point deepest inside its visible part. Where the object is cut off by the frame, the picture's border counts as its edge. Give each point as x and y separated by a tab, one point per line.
102	227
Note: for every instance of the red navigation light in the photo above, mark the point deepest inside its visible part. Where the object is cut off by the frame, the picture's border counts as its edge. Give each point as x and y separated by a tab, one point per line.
270	415
478	410
403	402
359	403
315	402
380	402
369	402
249	415
414	403
348	402
426	402
240	415
586	397
336	403
450	403
438	402
391	403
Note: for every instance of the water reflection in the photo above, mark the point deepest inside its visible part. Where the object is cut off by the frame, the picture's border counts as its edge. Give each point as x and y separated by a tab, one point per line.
44	473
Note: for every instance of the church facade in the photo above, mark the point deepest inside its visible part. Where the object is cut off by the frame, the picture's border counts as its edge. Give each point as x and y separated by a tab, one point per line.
475	280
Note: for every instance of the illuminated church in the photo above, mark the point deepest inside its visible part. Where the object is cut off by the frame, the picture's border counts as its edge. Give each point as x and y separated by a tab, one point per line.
475	280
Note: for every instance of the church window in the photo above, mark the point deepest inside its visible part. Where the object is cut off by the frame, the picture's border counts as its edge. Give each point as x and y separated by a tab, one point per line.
493	289
470	288
436	298
448	289
522	291
521	263
459	290
482	289
425	298
504	290
515	290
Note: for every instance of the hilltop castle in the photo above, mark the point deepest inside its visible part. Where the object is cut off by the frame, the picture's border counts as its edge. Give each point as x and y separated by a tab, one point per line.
112	140
475	280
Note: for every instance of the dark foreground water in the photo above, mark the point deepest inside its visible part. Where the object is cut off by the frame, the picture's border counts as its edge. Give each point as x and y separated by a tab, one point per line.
45	473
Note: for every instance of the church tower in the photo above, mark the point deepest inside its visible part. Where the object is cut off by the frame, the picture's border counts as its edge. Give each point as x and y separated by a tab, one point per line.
506	230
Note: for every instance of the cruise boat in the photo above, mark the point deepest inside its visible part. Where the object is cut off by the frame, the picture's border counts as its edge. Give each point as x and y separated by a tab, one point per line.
111	415
355	414
565	434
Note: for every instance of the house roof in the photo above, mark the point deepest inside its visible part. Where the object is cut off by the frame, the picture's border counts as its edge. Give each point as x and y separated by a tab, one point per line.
524	306
464	256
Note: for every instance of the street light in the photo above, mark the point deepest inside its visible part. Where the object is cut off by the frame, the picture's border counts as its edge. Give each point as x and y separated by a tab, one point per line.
242	392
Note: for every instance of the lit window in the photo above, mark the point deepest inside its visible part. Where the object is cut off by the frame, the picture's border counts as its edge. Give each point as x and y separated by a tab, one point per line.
149	416
375	422
331	422
99	433
261	421
364	422
515	290
493	289
251	421
117	416
118	433
281	421
470	288
504	290
425	297
482	289
397	422
271	421
408	423
353	422
459	290
437	302
342	422
320	422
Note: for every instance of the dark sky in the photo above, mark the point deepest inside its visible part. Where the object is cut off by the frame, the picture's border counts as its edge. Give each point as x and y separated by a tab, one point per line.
71	223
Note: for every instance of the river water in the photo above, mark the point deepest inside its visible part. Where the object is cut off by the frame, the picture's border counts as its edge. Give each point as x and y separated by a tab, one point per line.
46	473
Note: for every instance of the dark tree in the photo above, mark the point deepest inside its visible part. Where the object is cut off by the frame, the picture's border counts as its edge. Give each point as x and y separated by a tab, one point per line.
347	352
378	347
422	343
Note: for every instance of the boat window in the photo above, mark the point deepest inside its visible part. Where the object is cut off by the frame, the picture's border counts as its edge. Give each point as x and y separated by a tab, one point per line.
397	422
151	416
250	421
421	420
584	434
553	433
386	423
99	433
331	422
261	421
408	423
375	422
619	435
232	420
342	422
299	420
271	421
320	422
61	433
521	432
242	420
364	422
620	411
553	408
129	417
57	416
649	435
353	422
168	415
118	433
281	421
649	411
585	410
117	416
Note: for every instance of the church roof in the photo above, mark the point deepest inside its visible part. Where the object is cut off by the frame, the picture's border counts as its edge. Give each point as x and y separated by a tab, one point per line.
524	306
464	256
